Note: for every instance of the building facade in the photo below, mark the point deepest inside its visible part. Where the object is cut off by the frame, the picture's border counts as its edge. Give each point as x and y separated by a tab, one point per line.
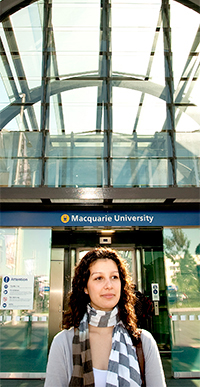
100	139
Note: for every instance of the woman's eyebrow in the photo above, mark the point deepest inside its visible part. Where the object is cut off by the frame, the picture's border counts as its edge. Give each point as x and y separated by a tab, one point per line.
97	272
101	272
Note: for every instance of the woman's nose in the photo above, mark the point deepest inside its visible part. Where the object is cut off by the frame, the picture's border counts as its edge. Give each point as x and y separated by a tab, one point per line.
108	284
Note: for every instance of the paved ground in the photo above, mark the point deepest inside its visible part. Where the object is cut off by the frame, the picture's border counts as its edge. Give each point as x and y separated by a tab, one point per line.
171	382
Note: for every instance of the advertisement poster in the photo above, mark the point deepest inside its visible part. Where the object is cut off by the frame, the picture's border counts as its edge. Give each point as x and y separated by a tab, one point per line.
17	292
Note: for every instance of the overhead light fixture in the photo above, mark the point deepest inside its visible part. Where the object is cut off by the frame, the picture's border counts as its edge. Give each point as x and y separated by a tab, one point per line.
13	200
109	231
144	200
77	200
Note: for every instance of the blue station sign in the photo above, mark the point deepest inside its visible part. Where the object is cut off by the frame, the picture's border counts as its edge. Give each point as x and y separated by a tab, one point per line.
101	218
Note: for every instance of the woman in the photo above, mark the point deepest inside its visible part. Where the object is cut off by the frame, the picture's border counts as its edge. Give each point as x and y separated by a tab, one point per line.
97	345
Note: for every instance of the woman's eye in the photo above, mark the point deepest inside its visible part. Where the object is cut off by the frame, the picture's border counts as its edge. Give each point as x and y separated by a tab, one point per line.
98	278
115	277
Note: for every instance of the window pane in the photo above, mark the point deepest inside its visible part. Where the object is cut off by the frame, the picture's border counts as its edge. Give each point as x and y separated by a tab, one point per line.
76	34
182	264
24	333
74	172
140	172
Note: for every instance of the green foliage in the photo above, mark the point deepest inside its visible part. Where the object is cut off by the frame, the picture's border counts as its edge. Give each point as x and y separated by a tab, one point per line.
185	276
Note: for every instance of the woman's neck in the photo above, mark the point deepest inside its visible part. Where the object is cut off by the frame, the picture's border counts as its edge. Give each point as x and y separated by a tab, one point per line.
100	330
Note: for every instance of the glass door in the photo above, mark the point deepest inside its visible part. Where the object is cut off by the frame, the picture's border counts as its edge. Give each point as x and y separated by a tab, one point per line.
151	277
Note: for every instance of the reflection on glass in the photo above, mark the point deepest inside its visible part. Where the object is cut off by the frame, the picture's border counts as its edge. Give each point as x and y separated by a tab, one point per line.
21	159
188	172
23	336
74	173
128	256
182	263
140	172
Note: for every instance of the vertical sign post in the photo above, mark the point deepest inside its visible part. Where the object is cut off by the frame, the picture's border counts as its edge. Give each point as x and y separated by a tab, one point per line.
155	297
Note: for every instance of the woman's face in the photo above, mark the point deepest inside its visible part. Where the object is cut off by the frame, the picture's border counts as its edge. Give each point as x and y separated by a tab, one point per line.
104	285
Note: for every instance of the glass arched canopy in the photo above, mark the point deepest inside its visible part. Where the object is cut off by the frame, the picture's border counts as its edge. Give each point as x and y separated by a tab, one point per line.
106	81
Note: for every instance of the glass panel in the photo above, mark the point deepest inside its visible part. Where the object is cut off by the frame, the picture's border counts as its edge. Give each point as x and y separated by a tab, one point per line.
77	110
141	160
74	172
182	264
24	116
129	117
140	172
20	165
185	66
188	172
137	51
75	160
153	267
128	255
133	29
20	172
24	333
76	34
74	145
187	144
141	146
21	144
21	67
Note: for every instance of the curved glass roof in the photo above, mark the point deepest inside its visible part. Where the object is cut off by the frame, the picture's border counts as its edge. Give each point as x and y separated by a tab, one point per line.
82	66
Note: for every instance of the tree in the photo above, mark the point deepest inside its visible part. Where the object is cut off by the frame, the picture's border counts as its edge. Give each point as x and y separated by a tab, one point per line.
185	276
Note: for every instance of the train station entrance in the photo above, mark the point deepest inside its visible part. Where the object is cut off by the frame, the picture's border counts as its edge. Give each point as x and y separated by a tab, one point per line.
43	249
143	250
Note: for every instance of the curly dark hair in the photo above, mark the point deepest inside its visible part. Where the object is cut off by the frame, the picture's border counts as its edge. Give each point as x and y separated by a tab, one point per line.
78	299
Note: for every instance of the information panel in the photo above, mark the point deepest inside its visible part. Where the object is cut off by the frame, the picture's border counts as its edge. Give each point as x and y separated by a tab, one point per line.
17	292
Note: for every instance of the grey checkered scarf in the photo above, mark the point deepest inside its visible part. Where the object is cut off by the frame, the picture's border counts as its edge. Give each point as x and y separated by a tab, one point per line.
123	367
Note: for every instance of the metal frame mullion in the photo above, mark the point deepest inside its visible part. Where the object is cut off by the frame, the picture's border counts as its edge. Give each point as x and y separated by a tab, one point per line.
100	97
107	87
45	88
169	84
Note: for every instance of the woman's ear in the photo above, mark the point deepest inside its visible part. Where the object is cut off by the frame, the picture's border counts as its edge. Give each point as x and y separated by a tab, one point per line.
85	290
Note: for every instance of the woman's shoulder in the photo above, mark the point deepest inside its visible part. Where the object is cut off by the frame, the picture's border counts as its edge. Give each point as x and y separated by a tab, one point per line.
149	344
64	337
146	335
148	340
153	365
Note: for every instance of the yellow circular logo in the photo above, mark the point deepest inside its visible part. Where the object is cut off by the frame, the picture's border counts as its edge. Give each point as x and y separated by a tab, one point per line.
65	218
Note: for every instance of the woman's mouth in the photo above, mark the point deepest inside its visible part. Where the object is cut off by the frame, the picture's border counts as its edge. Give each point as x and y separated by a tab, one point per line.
108	295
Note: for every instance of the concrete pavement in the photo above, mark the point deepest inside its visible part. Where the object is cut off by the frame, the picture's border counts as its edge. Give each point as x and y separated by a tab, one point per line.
171	382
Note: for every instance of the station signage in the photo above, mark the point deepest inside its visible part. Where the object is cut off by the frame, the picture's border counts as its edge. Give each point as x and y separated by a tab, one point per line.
100	218
17	292
108	219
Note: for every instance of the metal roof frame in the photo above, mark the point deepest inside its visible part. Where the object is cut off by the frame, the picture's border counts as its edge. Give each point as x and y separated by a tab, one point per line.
8	7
